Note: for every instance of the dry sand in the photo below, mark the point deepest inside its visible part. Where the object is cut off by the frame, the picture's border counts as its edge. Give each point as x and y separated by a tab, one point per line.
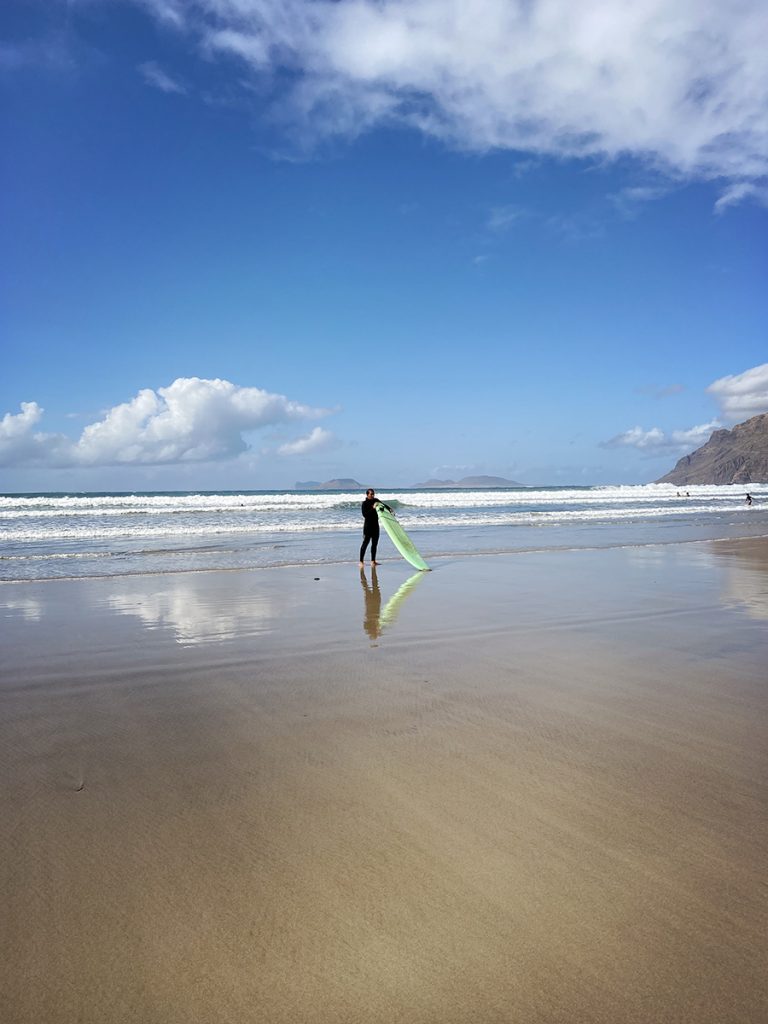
529	789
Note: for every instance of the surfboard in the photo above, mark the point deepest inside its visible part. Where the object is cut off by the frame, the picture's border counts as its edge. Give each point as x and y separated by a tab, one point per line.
400	539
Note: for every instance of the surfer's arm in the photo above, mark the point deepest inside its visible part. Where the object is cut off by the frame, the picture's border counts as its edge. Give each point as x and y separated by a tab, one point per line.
386	506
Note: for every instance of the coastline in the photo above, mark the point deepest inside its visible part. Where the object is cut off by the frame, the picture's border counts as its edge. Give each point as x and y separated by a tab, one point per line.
59	536
528	787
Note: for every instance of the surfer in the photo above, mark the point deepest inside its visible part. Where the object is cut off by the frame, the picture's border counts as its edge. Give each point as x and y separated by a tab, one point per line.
371	524
749	499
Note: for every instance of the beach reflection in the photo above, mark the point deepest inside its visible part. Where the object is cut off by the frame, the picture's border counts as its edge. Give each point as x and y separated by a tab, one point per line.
195	612
376	618
29	608
746	576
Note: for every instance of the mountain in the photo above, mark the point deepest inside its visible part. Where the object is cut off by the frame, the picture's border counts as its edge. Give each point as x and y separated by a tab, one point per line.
737	456
473	482
344	484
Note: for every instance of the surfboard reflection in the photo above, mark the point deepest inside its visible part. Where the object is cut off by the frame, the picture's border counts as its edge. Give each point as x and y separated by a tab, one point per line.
377	619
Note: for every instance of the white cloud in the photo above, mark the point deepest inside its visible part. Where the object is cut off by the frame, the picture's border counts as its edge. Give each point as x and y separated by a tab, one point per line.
319	440
19	442
682	84
694	437
191	420
16	425
742	395
154	75
656	439
637	438
739	192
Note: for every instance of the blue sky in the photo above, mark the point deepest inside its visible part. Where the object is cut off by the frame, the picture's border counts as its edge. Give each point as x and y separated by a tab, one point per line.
252	243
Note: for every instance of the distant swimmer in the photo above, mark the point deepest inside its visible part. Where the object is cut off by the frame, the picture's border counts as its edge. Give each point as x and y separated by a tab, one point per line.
749	499
371	524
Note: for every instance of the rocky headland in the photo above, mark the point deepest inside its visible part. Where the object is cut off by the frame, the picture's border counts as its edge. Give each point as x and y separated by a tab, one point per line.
736	456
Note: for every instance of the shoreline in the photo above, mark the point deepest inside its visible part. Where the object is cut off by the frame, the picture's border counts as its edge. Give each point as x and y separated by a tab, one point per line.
511	790
55	537
392	559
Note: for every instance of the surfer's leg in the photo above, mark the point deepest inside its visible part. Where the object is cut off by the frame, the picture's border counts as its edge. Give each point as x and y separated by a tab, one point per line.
363	546
374	545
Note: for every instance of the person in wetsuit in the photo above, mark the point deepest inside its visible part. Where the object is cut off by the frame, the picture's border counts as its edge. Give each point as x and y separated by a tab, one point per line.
370	524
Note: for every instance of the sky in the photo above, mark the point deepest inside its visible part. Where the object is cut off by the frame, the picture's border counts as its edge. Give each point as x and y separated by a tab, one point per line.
247	243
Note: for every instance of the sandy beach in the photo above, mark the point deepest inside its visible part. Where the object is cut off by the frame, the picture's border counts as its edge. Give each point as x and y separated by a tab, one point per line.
520	789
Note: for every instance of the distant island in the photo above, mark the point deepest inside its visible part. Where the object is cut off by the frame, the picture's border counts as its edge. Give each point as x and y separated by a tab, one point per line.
348	484
342	484
472	481
737	456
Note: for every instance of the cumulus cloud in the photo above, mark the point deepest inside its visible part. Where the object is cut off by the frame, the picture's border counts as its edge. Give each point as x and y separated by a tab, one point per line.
17	425
21	444
656	439
637	438
744	394
682	84
318	440
191	420
154	75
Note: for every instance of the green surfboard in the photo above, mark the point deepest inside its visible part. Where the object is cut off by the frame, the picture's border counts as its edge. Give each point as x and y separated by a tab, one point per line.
400	539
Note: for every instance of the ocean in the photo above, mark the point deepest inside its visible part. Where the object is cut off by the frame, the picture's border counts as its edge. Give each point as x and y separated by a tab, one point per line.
68	535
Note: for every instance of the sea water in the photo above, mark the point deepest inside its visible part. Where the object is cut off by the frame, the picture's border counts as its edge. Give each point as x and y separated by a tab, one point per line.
44	536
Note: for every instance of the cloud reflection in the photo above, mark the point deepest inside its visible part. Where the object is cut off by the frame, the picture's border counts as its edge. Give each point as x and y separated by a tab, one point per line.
195	611
30	608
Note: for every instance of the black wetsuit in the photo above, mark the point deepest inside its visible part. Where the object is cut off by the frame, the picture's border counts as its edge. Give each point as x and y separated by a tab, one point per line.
371	526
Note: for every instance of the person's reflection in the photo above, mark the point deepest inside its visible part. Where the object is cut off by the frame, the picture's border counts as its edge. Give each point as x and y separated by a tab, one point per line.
372	620
377	619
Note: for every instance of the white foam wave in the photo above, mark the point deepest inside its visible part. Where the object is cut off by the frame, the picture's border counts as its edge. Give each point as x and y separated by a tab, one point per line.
190	527
15	506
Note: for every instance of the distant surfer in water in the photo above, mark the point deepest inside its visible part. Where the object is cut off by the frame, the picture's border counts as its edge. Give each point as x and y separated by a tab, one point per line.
371	524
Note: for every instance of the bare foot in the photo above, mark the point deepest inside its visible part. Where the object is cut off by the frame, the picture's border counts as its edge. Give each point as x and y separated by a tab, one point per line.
362	566
374	563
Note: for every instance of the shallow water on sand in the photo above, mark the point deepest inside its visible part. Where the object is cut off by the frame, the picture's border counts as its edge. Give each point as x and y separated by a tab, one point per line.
520	788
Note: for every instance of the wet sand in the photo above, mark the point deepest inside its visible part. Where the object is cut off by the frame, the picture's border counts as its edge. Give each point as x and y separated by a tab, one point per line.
525	789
